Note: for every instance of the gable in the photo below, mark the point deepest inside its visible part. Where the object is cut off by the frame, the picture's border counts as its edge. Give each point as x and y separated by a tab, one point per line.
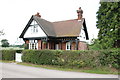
34	30
82	36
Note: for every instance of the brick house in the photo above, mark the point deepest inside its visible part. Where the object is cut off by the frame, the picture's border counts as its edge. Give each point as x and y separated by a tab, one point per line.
65	35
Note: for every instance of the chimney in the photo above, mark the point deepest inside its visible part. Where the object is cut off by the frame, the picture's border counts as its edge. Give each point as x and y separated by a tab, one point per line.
79	12
38	14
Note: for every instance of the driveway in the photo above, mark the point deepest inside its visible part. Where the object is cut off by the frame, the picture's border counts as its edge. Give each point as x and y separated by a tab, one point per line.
12	70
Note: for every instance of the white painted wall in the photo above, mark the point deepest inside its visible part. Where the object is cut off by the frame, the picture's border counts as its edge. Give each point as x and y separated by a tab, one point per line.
29	32
82	36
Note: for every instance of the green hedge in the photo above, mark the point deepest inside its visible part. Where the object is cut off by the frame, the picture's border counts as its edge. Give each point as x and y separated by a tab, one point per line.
38	56
8	54
73	59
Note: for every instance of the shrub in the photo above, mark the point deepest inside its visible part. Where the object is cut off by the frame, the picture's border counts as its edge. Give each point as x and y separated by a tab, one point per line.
38	56
78	59
8	54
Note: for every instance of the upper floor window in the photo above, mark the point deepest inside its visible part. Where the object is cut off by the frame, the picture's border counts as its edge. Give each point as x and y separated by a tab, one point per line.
34	27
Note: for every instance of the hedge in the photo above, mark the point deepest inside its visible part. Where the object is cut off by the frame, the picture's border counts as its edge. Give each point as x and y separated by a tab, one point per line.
8	54
73	59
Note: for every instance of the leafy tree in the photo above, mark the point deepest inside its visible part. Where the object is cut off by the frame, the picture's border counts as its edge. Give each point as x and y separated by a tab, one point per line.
109	24
5	43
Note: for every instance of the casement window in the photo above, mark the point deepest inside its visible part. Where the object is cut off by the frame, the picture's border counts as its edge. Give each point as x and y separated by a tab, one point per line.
33	44
68	46
34	27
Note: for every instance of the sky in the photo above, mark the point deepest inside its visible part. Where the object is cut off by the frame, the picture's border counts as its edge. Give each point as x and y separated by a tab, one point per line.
15	14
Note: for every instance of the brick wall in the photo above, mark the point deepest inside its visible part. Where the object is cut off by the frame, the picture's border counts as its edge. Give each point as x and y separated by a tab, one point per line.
44	45
63	45
82	46
27	41
73	46
39	44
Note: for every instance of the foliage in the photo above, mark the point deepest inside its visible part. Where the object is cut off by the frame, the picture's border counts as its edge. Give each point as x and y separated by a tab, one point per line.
26	46
20	46
95	45
38	56
72	59
5	43
109	25
8	55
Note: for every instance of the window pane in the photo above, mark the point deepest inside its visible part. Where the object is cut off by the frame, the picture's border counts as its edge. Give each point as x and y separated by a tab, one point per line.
36	41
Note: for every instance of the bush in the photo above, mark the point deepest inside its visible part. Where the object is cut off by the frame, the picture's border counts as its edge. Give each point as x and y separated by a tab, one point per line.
8	55
78	59
38	56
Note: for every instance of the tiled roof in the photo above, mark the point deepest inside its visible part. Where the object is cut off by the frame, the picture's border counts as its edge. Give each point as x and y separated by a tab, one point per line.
68	28
46	26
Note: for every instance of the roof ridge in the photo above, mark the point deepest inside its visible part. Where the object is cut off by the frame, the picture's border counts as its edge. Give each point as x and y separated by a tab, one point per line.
64	20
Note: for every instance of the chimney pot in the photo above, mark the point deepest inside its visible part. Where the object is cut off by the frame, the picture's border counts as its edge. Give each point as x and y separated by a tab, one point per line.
79	12
38	14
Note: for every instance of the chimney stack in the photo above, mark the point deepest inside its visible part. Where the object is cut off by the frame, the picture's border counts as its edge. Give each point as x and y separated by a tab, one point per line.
38	14
79	12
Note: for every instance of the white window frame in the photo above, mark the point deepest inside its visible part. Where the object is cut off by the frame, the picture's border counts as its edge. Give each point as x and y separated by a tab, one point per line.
68	45
33	44
56	46
34	27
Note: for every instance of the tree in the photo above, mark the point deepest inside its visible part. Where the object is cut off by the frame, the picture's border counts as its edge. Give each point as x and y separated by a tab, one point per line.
5	43
108	22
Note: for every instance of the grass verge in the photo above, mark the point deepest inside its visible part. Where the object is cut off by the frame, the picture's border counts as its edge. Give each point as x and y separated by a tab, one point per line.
5	61
102	70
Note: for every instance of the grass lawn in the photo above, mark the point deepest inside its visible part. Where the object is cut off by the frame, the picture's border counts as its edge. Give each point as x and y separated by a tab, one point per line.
102	70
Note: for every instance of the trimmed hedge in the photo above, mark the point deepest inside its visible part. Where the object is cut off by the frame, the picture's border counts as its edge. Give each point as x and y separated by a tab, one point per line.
92	59
38	56
8	54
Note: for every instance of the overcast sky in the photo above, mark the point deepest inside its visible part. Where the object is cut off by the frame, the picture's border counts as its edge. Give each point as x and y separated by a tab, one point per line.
14	14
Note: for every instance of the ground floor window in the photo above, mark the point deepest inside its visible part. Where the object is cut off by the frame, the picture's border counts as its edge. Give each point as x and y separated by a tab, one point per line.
68	46
57	46
33	44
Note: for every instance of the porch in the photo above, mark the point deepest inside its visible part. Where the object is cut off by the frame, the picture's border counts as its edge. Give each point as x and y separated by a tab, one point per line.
69	43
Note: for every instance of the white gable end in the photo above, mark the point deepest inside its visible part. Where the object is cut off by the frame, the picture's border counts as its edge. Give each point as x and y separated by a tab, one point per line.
82	36
34	30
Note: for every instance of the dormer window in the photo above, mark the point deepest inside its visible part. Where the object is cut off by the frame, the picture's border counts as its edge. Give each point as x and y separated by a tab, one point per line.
34	27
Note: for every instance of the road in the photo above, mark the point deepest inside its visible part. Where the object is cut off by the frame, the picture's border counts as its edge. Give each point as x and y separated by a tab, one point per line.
12	70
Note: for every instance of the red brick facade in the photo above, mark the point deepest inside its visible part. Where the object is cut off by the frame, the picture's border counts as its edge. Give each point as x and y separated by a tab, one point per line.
27	42
61	45
39	44
82	46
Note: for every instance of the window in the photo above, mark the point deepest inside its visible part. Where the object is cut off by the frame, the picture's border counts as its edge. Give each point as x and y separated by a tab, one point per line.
33	44
34	27
57	46
68	46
